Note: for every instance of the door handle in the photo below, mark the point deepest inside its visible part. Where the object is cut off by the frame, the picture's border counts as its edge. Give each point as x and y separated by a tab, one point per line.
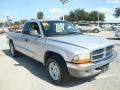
26	40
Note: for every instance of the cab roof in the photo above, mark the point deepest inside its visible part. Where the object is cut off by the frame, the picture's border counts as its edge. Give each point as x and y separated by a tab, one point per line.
42	20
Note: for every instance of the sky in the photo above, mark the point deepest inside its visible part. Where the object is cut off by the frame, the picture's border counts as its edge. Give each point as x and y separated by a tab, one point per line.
53	9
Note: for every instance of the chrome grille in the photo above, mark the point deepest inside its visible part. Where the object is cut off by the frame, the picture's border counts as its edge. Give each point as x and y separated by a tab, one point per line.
97	56
98	51
109	48
102	54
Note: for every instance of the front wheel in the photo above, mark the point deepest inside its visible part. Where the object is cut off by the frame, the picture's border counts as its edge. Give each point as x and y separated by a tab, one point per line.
56	69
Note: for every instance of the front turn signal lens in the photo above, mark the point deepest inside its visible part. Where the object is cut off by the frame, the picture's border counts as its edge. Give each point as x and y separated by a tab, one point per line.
81	59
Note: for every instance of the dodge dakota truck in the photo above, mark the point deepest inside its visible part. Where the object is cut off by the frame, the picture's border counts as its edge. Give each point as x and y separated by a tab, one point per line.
62	49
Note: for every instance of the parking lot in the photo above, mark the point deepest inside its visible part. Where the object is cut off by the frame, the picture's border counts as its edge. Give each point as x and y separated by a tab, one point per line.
24	73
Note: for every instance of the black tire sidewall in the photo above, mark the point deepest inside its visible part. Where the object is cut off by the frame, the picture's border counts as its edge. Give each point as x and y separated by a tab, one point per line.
61	66
15	52
96	30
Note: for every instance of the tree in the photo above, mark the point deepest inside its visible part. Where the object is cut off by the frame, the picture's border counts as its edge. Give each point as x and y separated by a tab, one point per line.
40	15
117	12
66	17
1	23
17	23
82	15
22	21
102	16
93	16
72	16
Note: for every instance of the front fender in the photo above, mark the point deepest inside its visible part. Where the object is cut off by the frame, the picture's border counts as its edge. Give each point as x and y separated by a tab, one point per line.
59	51
67	51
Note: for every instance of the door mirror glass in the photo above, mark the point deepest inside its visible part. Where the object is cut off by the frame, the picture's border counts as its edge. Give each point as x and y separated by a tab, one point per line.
33	32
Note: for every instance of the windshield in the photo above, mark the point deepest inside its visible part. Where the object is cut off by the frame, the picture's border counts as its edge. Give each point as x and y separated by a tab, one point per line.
51	28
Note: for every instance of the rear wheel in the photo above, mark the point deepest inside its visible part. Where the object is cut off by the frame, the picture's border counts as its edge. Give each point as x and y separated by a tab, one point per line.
57	70
14	53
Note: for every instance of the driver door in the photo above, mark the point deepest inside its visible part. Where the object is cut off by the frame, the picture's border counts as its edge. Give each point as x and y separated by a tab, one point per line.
34	42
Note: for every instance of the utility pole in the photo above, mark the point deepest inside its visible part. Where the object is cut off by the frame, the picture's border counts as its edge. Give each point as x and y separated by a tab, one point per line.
63	2
8	21
98	19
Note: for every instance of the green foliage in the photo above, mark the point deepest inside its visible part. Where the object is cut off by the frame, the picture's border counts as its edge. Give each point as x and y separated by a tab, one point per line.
22	21
117	12
1	24
66	18
82	15
102	16
94	16
40	15
17	23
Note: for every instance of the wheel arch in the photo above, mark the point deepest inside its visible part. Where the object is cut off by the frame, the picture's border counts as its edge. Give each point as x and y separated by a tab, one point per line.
96	29
10	41
52	53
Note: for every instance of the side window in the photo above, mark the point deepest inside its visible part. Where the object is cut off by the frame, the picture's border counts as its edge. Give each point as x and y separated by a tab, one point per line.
31	28
34	28
81	25
26	28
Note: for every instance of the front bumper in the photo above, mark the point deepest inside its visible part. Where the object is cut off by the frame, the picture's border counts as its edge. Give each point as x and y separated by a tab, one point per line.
88	70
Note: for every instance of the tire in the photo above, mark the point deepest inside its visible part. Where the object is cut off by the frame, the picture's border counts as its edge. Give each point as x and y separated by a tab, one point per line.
96	31
14	53
57	70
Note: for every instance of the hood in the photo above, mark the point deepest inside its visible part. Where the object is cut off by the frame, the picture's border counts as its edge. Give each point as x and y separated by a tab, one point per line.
89	42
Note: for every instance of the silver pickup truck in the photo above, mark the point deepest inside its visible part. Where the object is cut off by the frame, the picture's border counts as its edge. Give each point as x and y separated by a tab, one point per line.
62	49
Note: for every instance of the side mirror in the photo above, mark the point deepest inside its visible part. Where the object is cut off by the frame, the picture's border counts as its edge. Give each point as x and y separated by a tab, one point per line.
33	32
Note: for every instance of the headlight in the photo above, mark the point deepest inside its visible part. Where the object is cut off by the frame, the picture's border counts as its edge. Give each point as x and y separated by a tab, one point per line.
80	59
